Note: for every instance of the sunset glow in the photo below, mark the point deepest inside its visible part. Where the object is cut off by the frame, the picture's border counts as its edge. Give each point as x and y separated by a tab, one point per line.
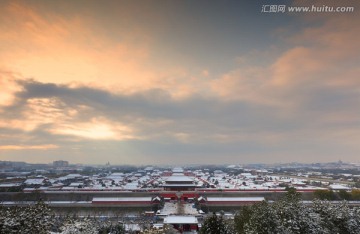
152	82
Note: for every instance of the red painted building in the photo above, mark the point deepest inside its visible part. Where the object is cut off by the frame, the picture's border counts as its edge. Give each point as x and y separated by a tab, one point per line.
179	182
231	201
183	223
125	201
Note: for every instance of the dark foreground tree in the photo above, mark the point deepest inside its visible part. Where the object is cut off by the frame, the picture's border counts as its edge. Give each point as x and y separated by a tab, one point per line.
26	220
291	216
242	217
263	220
216	225
343	195
325	195
112	229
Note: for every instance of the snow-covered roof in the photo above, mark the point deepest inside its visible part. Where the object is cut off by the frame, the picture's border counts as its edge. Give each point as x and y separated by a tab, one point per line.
178	174
73	176
131	185
122	199
118	176
179	178
34	181
178	169
338	187
75	184
180	220
235	199
179	185
67	188
9	185
299	183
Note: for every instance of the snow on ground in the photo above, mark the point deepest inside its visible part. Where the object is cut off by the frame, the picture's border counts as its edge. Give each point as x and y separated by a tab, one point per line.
189	209
170	208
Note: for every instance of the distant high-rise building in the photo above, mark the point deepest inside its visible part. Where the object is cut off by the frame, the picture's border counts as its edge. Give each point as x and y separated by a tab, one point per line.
60	163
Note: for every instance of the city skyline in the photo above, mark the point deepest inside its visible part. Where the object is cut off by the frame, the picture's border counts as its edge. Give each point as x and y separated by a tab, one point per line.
178	82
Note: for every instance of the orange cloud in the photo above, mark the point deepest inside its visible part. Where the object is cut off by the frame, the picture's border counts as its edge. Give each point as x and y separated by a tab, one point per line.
63	120
97	129
40	111
8	88
51	48
28	147
57	49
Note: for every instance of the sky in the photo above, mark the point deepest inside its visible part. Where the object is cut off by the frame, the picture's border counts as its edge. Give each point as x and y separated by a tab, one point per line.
178	82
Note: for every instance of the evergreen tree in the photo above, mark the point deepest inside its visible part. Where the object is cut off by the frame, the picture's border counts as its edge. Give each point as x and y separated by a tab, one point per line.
26	220
294	216
324	195
215	225
241	218
344	195
263	220
85	226
337	218
112	229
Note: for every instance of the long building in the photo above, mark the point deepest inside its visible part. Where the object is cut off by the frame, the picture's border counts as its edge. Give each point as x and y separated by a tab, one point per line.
230	201
125	201
183	223
179	182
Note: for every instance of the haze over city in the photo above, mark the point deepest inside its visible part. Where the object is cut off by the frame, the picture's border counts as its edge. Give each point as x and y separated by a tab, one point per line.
177	82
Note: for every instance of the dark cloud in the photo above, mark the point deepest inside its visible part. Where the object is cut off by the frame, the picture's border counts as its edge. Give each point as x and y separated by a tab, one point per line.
168	130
